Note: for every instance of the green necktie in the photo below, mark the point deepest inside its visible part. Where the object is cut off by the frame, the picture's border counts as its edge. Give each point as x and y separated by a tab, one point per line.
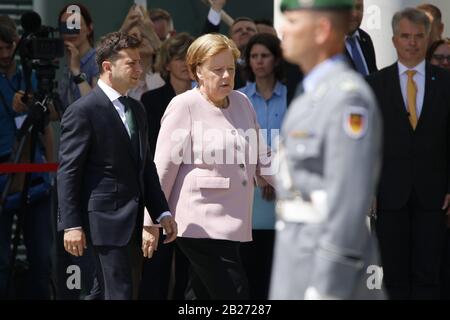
134	135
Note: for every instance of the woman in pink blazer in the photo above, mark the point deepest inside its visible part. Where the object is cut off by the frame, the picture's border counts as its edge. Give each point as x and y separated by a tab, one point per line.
208	155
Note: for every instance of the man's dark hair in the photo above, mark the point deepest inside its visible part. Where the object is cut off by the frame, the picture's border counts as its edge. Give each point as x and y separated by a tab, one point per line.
8	22
109	46
273	44
7	34
264	21
160	14
239	19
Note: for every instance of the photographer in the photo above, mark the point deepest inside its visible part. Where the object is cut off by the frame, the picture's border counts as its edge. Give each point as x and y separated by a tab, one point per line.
81	72
37	232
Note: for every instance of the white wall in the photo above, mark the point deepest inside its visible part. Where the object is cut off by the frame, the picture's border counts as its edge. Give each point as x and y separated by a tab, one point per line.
377	22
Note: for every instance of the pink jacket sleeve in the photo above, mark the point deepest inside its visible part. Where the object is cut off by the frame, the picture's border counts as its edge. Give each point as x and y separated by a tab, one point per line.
172	144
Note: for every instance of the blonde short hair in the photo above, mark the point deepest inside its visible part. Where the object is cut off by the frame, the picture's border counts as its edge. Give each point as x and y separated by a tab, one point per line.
207	46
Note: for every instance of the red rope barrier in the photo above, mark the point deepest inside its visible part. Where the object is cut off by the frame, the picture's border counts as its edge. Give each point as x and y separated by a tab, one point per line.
28	167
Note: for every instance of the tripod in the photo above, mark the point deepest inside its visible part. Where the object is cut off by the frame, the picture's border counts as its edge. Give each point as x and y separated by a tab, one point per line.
26	141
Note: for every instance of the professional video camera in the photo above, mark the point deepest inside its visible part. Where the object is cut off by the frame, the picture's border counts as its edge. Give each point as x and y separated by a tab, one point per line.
39	49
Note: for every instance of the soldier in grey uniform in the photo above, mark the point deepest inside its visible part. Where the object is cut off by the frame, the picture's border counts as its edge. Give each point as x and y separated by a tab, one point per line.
329	162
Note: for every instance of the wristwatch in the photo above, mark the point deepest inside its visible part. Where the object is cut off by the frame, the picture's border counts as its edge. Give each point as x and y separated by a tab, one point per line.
79	78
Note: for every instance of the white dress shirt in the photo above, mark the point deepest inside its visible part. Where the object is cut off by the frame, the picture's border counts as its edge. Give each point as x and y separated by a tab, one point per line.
114	96
419	79
214	17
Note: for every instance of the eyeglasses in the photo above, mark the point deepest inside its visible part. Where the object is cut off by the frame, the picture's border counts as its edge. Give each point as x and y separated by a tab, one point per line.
440	58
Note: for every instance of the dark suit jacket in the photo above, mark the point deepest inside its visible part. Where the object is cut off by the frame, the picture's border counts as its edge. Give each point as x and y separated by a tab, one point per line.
418	158
102	186
155	103
293	78
368	51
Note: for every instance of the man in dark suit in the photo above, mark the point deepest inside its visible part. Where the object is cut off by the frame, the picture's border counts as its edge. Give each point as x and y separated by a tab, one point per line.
358	44
106	175
414	188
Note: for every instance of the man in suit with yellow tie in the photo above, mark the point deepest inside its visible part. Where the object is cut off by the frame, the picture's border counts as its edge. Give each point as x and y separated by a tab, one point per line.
414	193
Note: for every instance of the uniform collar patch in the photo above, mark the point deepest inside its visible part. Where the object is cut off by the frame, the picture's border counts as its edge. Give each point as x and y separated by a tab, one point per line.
355	121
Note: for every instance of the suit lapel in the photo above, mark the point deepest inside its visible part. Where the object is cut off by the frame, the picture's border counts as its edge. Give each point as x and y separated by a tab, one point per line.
430	93
366	52
140	127
349	59
117	125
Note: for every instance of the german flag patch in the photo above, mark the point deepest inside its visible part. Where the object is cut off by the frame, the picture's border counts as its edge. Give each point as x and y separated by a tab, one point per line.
356	122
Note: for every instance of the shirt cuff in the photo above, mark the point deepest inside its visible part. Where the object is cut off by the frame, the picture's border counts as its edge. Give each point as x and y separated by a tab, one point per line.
164	214
75	228
214	17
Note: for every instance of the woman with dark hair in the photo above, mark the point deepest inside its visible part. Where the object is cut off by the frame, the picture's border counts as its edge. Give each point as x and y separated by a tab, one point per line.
439	53
81	72
171	64
264	68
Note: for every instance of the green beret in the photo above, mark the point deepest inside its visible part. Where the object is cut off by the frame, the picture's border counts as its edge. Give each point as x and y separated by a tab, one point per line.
316	4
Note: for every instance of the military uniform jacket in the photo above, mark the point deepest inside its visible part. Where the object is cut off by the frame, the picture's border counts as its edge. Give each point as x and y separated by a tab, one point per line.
331	142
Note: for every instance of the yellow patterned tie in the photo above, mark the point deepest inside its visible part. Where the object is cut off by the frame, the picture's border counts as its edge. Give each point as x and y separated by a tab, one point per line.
412	96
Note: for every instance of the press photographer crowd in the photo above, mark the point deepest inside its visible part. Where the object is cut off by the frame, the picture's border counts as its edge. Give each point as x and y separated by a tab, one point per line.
148	163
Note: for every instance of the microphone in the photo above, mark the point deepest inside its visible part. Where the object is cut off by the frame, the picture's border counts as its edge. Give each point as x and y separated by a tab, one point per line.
31	22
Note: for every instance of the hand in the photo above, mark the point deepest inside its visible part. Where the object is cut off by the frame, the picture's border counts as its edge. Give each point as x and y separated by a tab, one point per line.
446	205
145	15
217	5
134	14
17	103
170	227
75	242
73	57
268	193
150	237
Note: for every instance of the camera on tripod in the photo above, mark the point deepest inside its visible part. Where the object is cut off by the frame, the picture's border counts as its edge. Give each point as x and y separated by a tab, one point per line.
39	50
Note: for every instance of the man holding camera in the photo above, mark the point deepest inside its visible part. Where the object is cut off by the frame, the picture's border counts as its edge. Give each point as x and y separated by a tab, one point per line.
37	230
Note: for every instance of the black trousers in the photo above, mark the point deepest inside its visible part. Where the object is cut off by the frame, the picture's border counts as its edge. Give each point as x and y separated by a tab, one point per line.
411	245
445	289
172	269
216	270
257	256
119	270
